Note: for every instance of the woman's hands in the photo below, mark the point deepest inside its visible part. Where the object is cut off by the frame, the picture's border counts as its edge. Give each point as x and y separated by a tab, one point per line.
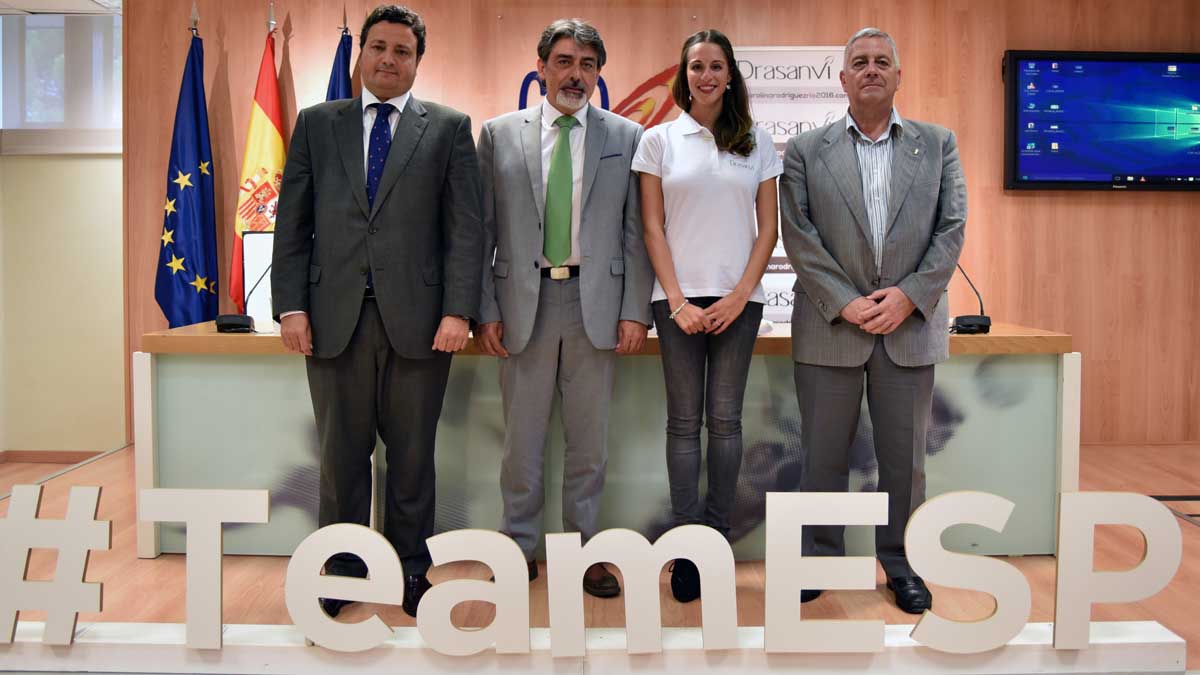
725	311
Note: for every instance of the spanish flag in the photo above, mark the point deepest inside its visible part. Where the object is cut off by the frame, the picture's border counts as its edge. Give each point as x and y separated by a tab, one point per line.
262	169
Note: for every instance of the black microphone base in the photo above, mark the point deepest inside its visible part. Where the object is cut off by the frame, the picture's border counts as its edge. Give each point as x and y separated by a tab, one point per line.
235	323
972	324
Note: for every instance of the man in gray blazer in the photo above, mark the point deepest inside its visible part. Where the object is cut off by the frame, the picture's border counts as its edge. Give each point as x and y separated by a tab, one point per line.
566	279
375	277
874	209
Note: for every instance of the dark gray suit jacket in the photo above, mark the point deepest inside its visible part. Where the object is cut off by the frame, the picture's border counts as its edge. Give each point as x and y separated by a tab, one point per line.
828	240
422	241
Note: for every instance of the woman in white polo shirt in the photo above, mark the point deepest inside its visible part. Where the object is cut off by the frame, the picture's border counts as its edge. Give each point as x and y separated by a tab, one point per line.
709	213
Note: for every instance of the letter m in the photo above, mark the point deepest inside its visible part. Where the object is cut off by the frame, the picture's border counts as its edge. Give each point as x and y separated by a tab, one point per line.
641	567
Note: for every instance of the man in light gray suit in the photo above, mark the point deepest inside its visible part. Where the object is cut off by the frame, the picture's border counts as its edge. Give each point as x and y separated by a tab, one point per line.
874	209
566	280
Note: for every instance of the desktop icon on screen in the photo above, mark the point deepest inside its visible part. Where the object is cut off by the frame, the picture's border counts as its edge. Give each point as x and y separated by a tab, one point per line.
1054	66
1029	126
1129	178
1054	146
1031	87
1031	106
1054	127
1054	106
1031	146
1172	69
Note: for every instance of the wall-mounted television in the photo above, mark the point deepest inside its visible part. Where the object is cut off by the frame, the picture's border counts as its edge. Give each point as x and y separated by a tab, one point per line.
1101	120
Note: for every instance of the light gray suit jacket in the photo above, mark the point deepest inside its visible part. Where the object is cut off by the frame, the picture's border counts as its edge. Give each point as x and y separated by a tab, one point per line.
615	273
828	240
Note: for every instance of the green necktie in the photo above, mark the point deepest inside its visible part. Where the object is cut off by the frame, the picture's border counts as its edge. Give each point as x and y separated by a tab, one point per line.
556	244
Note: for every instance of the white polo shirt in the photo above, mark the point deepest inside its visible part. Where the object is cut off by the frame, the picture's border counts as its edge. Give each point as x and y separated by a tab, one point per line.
709	203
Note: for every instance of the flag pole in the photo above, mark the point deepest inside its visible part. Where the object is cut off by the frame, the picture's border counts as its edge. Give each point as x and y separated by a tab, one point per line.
195	20
345	23
271	17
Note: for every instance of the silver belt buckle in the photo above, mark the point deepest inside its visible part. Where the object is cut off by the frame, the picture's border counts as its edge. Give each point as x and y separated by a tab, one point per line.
560	273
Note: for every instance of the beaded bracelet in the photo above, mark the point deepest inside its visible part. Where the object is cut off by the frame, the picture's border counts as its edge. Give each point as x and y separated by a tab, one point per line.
675	312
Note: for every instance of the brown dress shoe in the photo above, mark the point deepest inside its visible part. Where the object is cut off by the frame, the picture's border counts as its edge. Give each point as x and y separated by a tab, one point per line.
598	581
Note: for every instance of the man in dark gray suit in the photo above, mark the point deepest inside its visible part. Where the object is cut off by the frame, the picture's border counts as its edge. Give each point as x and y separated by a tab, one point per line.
375	278
874	209
569	283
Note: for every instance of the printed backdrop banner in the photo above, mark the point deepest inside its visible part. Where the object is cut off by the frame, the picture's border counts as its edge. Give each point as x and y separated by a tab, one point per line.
792	90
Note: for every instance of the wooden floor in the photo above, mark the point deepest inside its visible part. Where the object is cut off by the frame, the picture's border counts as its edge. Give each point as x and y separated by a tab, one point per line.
153	590
21	473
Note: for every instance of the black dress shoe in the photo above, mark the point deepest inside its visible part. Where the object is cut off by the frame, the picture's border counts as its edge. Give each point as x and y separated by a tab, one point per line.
685	580
414	589
603	586
809	594
911	594
333	606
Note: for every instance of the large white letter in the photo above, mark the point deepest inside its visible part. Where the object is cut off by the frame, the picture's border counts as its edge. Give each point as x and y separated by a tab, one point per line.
203	511
641	565
1005	583
788	572
305	584
1079	585
509	631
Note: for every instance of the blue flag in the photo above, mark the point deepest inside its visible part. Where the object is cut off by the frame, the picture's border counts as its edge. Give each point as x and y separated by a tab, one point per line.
186	285
339	77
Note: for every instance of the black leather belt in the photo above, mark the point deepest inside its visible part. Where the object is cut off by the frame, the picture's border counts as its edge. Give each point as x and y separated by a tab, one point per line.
560	273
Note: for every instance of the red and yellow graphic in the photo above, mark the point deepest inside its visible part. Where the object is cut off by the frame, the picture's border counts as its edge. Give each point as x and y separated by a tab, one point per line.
262	169
650	102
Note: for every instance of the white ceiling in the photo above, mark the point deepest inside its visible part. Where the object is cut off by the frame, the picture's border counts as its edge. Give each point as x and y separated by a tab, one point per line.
60	6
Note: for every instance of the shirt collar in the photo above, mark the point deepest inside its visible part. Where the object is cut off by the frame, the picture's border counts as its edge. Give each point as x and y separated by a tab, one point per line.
895	126
550	113
688	124
400	101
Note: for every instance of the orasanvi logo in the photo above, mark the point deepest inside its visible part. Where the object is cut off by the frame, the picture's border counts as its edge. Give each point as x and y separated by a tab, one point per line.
648	104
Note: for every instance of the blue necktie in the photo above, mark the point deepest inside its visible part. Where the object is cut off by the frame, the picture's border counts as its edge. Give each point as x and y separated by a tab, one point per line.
377	150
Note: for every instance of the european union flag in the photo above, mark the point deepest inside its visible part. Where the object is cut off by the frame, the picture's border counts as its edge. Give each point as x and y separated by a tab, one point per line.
186	286
339	77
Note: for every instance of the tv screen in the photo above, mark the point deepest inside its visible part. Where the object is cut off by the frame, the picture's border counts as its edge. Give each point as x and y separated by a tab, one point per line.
1102	120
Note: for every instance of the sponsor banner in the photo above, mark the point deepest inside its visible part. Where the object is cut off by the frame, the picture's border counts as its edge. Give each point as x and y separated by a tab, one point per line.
792	90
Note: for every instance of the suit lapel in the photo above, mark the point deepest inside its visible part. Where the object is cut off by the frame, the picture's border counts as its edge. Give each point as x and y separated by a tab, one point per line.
593	148
408	134
348	130
906	159
841	160
531	143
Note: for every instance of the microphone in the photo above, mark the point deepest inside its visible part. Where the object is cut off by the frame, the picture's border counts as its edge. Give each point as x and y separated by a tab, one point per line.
241	323
972	324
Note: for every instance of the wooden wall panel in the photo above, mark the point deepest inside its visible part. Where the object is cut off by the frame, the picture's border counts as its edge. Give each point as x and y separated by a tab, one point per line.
1113	269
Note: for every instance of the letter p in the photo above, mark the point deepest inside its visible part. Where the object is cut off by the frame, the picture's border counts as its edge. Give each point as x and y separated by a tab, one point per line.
1079	585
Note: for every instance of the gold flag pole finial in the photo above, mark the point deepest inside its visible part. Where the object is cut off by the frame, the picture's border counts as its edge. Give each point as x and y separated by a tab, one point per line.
345	23
271	17
195	19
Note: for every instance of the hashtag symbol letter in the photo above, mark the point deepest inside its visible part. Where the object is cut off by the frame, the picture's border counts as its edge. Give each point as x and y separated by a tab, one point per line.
66	594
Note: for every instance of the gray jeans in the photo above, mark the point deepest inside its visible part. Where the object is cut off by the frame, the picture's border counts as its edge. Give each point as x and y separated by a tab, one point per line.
706	381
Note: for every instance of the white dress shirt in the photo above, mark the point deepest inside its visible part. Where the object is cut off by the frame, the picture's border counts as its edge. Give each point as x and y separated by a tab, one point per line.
369	115
709	203
875	167
549	137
